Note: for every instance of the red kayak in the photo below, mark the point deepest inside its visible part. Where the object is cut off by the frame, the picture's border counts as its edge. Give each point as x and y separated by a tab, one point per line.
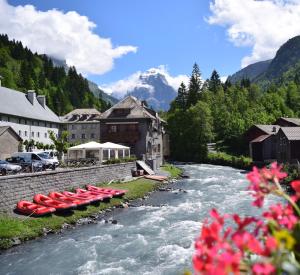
102	197
113	192
33	209
58	205
84	197
63	198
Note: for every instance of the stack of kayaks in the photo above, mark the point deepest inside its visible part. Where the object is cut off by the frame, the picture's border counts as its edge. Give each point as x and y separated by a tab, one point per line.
56	201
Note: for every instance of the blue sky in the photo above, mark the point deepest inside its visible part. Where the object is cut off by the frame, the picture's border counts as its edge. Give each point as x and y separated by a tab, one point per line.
174	33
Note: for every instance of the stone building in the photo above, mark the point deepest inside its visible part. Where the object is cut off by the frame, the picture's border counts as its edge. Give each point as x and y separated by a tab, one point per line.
133	124
28	115
9	142
82	124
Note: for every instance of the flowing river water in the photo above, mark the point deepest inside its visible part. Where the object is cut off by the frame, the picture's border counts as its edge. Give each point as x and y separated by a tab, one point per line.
156	238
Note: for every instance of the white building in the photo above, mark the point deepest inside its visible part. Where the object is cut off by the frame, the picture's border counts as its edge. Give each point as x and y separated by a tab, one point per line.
28	115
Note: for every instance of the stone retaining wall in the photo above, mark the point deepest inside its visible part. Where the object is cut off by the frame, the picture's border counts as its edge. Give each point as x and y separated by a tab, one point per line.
23	187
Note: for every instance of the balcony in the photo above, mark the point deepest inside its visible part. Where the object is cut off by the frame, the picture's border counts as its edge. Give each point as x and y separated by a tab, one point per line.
130	137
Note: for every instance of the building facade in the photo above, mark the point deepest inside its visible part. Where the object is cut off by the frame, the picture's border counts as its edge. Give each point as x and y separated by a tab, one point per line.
28	115
82	125
9	142
133	124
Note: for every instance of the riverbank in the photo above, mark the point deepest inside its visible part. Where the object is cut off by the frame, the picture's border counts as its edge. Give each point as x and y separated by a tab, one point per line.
15	230
224	159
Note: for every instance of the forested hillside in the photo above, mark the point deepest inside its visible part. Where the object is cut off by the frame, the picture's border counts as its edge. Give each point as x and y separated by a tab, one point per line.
284	67
213	111
23	70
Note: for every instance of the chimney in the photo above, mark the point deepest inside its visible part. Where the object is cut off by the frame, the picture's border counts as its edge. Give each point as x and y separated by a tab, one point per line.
274	129
31	96
42	100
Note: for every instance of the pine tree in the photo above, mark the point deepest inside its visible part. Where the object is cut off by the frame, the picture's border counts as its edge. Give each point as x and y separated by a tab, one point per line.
180	100
214	82
194	86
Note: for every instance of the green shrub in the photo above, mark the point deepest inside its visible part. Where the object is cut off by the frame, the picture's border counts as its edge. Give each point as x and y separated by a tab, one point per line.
221	158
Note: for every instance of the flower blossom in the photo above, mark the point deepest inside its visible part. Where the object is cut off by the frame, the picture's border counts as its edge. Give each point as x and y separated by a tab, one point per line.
262	182
263	269
283	215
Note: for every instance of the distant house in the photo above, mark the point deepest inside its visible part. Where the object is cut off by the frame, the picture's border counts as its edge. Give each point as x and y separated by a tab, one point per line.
262	142
28	115
288	144
133	124
288	122
9	142
82	124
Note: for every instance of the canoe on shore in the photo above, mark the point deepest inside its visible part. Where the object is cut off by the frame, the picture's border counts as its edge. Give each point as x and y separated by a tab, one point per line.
63	198
117	193
47	201
101	196
33	209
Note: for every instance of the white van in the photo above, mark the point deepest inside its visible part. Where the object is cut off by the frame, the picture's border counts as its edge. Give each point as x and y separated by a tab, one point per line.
44	158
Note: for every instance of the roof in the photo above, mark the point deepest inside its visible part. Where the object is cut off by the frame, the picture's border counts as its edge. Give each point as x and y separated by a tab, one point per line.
292	133
3	129
260	138
82	115
96	146
16	104
295	121
268	129
137	110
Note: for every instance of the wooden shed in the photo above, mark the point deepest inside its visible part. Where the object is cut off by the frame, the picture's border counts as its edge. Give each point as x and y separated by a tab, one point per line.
288	144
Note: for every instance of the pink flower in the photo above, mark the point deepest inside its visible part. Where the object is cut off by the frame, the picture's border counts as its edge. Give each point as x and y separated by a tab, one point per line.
262	182
263	269
270	246
247	242
283	215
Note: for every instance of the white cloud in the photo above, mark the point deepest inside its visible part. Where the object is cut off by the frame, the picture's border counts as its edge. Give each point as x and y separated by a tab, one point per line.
67	36
264	25
121	87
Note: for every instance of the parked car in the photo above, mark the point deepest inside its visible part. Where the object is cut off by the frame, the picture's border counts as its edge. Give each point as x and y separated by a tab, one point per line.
30	156
27	166
49	156
6	167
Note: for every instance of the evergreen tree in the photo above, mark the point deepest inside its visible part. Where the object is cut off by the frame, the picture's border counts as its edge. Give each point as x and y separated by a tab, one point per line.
214	82
181	99
194	86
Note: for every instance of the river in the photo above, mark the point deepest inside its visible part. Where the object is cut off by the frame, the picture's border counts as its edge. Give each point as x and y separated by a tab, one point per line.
156	238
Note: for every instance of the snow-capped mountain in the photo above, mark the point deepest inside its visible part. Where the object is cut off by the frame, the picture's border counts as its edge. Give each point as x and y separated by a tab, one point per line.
156	86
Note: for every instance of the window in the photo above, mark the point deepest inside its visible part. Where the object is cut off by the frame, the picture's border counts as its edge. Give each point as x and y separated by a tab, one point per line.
73	136
83	136
26	121
38	134
132	127
45	135
25	133
19	120
20	133
92	135
158	148
32	134
73	127
113	128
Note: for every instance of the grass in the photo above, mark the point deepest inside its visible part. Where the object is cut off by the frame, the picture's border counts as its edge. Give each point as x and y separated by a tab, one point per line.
174	171
30	228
